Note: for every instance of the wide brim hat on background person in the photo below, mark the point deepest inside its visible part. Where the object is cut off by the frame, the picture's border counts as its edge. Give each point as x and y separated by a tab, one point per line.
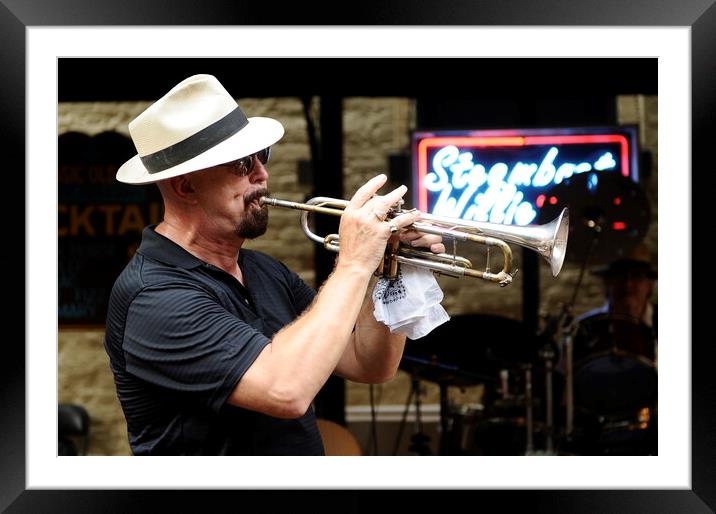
195	126
639	259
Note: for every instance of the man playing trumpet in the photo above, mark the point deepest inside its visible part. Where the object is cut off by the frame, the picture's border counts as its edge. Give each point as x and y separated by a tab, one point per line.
219	350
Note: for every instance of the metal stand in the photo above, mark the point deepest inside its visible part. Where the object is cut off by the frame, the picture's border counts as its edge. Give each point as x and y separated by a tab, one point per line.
444	429
530	446
419	442
564	331
547	353
567	343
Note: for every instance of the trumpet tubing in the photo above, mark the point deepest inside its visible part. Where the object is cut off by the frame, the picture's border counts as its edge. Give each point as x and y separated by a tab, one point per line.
549	240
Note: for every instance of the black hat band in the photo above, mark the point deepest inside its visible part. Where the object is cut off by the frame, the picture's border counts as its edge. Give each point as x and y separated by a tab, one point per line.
196	144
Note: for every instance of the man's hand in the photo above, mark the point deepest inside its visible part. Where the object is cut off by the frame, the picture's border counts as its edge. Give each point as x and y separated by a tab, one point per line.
364	229
418	239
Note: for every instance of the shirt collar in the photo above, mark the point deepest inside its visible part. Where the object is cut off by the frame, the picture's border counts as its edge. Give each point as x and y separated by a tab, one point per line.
163	249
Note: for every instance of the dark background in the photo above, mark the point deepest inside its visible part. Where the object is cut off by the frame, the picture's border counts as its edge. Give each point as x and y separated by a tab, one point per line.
511	85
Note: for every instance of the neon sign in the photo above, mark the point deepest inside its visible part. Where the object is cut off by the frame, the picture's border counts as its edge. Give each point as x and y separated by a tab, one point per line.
505	176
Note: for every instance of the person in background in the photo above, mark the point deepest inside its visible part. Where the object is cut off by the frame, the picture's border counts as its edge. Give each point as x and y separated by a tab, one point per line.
220	350
629	289
615	350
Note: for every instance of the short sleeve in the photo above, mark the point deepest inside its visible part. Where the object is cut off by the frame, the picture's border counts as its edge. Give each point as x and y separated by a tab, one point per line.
180	337
301	292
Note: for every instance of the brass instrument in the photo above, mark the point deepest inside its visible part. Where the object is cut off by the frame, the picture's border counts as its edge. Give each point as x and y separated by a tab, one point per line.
549	240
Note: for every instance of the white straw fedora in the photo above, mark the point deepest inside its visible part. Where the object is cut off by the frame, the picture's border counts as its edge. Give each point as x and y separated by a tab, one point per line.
194	126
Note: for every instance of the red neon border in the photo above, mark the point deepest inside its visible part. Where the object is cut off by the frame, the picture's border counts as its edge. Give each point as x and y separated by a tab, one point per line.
482	141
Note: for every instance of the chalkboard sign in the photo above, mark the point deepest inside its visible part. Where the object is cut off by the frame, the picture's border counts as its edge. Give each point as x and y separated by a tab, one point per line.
100	221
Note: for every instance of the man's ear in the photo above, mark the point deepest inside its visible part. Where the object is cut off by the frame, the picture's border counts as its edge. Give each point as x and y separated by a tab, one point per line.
182	187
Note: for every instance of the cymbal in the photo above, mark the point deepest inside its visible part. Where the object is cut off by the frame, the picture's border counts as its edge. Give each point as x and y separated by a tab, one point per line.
469	349
609	215
434	371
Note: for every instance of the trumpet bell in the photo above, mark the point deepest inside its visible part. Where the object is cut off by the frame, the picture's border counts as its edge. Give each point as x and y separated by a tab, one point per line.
560	228
549	240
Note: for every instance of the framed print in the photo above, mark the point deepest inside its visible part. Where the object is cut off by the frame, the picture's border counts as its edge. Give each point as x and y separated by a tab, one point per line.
108	49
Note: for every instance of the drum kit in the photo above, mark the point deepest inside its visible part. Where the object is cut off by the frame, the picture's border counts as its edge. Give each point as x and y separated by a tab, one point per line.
580	386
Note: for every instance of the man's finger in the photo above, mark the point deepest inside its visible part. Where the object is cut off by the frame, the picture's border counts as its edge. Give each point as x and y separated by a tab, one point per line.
437	248
366	191
406	219
389	200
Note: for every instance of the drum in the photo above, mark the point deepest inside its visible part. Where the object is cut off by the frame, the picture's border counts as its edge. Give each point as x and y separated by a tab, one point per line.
614	371
628	434
615	386
475	433
509	396
614	383
606	332
469	349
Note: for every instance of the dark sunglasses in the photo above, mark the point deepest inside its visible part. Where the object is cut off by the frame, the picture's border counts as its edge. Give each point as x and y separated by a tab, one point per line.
245	165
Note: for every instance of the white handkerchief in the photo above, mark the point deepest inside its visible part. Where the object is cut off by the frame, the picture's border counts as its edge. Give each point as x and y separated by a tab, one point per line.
409	304
418	327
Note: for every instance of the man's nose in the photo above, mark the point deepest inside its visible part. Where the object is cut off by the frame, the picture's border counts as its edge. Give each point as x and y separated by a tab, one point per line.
259	173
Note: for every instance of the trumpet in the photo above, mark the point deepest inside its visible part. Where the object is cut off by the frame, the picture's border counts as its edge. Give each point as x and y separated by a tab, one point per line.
549	240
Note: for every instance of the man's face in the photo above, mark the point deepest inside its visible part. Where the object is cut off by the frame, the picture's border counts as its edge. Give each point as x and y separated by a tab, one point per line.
231	200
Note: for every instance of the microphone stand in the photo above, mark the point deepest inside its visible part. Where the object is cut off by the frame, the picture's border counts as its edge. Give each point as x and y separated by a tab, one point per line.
418	441
568	329
565	331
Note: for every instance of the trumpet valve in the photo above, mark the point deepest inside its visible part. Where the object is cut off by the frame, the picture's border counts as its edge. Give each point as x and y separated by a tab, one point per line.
393	265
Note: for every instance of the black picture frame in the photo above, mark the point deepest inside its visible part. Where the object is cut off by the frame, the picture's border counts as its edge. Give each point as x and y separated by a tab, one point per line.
17	15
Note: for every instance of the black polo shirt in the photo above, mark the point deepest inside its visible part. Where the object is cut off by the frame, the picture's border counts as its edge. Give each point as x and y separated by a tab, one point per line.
180	335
